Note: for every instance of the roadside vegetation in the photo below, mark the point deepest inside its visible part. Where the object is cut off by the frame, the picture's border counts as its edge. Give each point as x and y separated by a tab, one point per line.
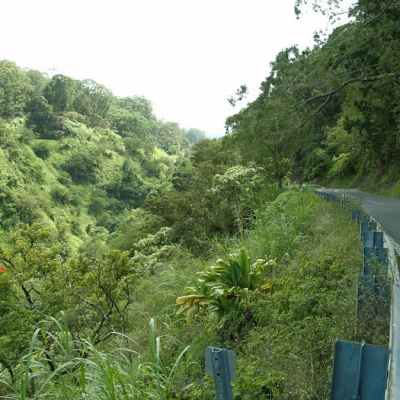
128	245
279	296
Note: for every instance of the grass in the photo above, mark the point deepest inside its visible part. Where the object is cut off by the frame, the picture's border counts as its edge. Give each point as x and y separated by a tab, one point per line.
284	349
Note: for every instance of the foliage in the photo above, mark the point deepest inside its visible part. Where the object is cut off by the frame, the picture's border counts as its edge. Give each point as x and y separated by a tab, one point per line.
42	119
82	167
42	151
109	216
239	189
338	99
194	135
123	373
15	88
92	99
226	289
60	93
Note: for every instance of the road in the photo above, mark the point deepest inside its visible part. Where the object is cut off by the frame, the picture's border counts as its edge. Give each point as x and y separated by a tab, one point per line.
385	210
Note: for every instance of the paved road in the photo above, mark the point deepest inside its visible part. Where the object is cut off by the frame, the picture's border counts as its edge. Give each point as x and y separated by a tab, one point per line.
385	210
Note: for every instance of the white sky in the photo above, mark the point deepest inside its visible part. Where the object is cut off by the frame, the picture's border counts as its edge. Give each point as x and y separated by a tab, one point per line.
186	56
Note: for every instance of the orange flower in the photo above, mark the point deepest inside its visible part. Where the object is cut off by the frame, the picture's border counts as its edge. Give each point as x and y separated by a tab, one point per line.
3	268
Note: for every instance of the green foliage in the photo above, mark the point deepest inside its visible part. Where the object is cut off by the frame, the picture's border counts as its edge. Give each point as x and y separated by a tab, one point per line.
100	375
82	167
129	188
42	119
330	111
194	136
92	99
340	165
61	195
226	288
110	217
238	189
15	89
42	151
281	315
60	93
137	225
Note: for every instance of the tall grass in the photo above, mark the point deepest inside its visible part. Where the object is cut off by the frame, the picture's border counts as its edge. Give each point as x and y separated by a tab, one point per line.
56	366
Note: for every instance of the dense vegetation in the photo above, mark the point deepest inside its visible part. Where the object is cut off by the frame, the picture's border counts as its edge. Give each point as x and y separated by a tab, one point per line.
127	245
342	97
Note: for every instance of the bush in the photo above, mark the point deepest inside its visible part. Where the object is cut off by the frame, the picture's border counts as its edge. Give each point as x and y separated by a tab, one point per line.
82	167
42	119
61	195
42	151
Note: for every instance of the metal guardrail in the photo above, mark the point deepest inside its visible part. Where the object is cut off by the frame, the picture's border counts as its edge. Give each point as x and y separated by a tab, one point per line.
393	248
393	392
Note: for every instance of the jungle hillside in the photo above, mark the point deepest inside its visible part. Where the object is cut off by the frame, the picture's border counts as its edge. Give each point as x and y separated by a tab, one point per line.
128	244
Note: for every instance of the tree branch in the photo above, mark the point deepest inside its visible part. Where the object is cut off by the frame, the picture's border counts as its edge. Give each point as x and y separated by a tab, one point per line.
350	82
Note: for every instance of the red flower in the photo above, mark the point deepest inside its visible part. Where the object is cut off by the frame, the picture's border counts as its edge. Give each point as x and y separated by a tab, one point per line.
3	268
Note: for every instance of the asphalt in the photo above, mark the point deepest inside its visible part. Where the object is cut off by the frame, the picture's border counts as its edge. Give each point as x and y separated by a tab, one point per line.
385	210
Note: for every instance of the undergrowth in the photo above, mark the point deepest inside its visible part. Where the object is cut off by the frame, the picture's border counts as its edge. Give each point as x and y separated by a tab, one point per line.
283	329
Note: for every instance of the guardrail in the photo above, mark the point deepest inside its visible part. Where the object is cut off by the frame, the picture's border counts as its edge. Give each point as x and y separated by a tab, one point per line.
393	392
371	239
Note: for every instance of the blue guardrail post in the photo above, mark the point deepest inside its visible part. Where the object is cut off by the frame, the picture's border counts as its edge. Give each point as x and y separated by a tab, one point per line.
220	364
359	372
373	239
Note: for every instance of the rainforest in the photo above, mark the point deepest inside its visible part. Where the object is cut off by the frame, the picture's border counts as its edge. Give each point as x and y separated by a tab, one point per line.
128	244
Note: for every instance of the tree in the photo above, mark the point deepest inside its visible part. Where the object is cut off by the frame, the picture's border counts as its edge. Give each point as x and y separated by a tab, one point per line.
38	81
194	136
32	287
136	104
83	167
237	189
60	92
42	119
101	290
92	99
15	88
130	123
331	8
129	187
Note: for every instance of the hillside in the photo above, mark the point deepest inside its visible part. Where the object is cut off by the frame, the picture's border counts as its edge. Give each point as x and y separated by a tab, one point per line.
75	156
128	245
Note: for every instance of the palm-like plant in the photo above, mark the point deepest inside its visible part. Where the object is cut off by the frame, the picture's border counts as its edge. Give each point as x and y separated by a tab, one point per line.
225	287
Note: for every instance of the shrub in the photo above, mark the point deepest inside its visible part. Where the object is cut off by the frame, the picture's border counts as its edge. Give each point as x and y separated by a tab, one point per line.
42	119
226	289
61	195
82	167
42	151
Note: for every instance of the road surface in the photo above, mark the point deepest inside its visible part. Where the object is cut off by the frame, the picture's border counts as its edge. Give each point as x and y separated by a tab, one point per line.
385	210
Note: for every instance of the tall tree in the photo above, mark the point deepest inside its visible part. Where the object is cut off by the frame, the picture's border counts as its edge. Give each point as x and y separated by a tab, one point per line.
15	88
60	93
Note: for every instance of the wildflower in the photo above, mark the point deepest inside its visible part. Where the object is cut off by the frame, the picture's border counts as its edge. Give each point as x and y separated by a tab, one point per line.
2	268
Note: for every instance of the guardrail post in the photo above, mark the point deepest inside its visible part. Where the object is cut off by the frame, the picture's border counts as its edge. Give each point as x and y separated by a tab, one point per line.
359	372
220	364
364	228
373	239
355	215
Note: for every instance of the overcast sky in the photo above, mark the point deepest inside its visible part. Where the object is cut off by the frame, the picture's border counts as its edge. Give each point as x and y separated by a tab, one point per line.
186	56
